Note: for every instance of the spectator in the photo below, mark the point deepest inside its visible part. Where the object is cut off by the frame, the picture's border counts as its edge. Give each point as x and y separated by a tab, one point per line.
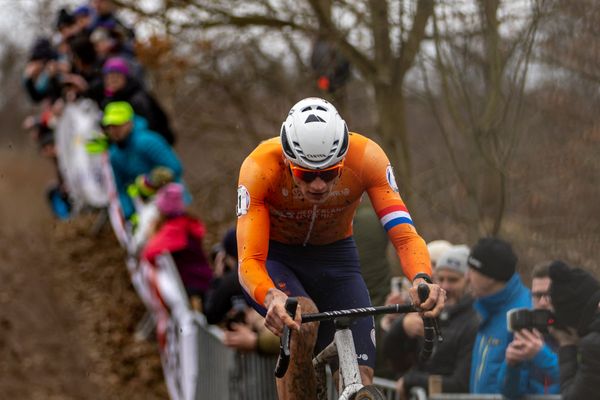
84	16
135	150
225	303
497	289
65	24
436	248
85	67
226	285
251	335
117	85
180	234
105	16
531	365
40	76
110	43
575	295
451	358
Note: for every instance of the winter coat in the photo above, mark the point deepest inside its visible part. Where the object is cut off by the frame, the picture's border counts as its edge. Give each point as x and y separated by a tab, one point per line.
451	358
138	154
540	375
182	237
219	297
144	105
580	366
493	336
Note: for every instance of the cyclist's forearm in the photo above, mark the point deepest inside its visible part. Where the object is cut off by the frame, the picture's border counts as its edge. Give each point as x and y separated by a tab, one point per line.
412	251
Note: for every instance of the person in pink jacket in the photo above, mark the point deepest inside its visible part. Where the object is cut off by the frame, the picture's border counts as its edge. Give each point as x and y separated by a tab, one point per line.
180	234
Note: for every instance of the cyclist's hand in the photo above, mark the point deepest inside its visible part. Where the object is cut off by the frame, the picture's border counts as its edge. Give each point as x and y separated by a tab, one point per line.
277	317
434	304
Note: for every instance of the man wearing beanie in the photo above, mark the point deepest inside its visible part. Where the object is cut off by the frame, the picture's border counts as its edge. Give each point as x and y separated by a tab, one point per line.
575	295
451	359
497	288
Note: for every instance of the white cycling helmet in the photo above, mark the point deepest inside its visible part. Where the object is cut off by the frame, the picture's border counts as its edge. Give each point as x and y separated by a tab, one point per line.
314	135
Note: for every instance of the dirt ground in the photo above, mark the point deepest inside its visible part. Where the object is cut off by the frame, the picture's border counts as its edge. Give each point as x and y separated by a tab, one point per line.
67	309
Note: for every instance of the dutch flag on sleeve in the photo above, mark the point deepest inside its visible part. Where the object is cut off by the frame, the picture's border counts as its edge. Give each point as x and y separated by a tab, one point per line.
394	215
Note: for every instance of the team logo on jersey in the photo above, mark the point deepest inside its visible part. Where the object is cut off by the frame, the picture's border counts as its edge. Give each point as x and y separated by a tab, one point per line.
389	174
243	201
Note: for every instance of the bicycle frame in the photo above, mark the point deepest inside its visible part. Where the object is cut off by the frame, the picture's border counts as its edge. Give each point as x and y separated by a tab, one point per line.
342	346
350	380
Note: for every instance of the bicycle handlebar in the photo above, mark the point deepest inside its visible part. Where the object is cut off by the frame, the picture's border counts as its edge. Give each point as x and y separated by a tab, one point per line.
283	361
430	325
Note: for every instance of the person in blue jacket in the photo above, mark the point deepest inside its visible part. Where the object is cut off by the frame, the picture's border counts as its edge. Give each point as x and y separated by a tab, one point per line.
497	288
531	365
135	151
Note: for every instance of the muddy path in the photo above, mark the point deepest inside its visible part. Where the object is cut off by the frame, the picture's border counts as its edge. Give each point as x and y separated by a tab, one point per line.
67	309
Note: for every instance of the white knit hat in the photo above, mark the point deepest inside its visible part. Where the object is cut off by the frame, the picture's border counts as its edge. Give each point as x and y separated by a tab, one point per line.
455	259
436	248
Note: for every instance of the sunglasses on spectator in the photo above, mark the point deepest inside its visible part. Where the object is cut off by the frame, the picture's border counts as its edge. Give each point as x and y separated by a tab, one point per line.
309	175
539	295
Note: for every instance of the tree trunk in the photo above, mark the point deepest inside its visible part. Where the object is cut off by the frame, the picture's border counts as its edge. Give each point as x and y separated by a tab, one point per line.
392	128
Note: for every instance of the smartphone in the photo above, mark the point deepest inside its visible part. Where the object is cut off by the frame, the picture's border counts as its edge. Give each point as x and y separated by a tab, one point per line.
396	284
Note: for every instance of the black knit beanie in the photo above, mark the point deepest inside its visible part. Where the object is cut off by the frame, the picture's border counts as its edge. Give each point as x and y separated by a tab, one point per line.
575	294
494	258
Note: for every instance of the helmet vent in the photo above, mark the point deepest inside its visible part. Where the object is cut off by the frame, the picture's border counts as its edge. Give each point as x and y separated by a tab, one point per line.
344	146
285	144
321	108
313	118
305	109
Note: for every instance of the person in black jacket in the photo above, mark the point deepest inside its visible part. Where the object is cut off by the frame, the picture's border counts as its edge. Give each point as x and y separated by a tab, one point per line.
118	85
451	358
575	295
225	288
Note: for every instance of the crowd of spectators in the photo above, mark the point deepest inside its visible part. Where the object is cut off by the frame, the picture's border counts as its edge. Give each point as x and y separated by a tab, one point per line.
482	353
92	55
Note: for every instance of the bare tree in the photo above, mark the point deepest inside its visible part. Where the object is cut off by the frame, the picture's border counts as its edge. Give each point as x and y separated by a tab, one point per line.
476	94
380	38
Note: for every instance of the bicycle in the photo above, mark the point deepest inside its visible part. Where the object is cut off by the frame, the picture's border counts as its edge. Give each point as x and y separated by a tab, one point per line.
342	346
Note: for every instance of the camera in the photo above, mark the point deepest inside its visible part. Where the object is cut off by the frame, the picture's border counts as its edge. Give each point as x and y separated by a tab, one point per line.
524	318
237	314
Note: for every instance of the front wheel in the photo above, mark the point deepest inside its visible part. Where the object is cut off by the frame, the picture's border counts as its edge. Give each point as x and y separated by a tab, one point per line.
369	392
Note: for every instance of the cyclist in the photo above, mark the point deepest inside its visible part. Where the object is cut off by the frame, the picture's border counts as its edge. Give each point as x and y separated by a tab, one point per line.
297	195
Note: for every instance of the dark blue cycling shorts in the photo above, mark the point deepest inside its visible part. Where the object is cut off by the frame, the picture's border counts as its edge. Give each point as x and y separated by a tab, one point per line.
330	276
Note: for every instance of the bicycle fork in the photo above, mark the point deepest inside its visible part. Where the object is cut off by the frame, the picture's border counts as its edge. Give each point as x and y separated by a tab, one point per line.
350	380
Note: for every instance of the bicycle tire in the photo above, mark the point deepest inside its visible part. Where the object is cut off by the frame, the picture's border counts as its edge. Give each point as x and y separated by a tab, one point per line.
368	392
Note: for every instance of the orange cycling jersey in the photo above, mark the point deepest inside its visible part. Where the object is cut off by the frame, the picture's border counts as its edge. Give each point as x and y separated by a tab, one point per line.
271	207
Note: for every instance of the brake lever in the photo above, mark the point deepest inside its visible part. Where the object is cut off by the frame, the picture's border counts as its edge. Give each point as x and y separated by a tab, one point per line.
291	304
423	292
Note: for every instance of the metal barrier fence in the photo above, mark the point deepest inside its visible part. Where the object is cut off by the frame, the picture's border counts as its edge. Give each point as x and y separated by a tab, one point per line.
226	374
229	375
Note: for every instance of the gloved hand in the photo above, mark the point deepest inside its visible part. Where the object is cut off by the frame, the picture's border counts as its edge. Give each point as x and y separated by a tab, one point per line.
146	185
97	145
160	176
